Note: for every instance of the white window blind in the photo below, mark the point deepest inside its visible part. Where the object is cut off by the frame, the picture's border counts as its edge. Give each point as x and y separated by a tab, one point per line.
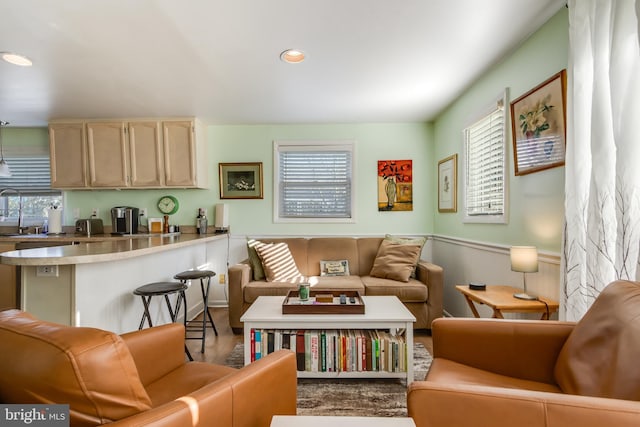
314	181
485	168
30	175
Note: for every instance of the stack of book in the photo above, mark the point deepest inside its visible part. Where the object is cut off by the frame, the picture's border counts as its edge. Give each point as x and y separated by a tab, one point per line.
344	350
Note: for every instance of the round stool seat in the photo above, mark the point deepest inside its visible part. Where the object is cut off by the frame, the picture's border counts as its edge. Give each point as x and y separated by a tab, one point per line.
194	274
160	288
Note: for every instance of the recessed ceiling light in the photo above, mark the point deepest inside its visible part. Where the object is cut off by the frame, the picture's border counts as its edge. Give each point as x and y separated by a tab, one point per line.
292	56
14	58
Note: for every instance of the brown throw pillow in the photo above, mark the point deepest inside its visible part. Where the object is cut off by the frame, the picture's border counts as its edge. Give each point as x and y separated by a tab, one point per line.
395	261
278	263
409	241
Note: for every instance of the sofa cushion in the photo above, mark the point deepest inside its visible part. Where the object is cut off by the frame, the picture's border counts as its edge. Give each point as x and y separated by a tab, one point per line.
253	290
395	261
600	357
90	369
278	262
332	248
337	283
411	291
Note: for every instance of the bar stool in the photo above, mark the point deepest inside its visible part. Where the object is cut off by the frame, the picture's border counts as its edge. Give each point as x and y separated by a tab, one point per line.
146	292
201	325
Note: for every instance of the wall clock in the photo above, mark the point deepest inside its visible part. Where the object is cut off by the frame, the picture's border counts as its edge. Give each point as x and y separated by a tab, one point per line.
168	205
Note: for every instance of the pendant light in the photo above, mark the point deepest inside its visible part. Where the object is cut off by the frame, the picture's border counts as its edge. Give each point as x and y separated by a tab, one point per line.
4	166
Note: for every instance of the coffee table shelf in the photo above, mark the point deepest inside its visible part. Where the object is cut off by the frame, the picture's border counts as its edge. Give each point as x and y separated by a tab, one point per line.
381	313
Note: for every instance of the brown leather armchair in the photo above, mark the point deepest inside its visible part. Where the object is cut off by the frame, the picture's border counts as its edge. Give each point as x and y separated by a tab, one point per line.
138	378
491	372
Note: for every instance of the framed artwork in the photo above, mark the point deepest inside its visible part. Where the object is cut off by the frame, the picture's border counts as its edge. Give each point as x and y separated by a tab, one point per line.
395	185
447	184
241	180
538	128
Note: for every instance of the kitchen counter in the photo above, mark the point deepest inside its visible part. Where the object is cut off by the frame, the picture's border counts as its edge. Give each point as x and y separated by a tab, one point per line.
97	248
91	283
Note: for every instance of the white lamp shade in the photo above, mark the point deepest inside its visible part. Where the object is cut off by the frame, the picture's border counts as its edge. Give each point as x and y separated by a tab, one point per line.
524	259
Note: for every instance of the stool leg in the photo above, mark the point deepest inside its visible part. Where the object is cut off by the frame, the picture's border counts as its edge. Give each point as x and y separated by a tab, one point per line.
206	306
184	298
146	314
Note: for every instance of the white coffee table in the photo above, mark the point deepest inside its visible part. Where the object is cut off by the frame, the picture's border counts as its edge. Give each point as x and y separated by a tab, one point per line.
381	313
313	421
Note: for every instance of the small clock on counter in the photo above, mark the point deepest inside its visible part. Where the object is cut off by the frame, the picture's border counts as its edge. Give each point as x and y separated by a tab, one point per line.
168	205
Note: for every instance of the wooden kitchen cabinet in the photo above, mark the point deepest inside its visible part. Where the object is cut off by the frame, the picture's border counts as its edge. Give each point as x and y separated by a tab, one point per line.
108	154
146	154
184	154
67	145
132	153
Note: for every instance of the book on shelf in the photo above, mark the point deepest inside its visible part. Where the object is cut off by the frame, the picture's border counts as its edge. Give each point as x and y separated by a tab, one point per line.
335	350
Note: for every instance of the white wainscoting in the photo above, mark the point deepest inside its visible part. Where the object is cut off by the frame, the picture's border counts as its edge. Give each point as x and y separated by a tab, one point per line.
467	261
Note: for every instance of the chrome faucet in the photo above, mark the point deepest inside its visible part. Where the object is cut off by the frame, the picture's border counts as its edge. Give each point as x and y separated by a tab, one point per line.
20	219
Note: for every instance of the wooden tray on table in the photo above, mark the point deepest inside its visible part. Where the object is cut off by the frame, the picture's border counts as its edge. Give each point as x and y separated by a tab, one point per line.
323	302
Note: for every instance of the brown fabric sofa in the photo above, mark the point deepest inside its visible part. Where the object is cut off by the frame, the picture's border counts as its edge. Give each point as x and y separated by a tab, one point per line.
139	378
422	295
489	372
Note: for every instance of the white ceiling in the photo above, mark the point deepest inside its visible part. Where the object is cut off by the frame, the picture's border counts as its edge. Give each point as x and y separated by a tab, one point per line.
367	60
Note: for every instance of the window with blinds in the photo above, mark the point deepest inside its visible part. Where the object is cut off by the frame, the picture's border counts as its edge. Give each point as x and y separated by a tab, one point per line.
31	178
314	181
485	168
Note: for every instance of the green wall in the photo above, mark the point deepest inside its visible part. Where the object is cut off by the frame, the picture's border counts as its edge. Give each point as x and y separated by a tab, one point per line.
229	144
536	201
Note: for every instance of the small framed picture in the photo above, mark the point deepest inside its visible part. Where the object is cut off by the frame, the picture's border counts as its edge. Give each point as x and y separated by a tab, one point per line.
241	180
447	184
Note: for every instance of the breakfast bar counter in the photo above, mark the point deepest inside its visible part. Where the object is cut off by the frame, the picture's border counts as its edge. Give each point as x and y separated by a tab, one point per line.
92	284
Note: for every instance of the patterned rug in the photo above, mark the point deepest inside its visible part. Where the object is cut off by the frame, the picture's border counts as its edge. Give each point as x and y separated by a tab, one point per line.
352	396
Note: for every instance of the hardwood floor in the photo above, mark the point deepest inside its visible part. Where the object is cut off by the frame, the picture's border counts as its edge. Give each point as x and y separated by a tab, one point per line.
217	348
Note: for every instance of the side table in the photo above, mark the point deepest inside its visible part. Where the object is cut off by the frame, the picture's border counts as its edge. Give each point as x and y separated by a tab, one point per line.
501	300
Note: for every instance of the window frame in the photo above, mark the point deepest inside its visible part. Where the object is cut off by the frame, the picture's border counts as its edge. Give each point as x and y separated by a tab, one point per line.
313	145
499	103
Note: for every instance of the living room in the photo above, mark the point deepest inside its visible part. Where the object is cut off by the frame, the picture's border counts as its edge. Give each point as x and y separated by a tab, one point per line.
467	251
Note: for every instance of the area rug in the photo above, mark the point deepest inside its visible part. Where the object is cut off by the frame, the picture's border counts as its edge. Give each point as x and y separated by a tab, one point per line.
352	396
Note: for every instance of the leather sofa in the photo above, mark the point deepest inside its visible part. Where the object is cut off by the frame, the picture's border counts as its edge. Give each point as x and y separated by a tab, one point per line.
422	295
490	372
138	378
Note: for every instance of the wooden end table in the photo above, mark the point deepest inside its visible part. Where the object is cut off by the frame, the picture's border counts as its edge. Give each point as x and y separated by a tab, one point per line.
501	300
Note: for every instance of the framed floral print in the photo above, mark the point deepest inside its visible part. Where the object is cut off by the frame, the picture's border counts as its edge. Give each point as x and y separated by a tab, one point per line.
538	128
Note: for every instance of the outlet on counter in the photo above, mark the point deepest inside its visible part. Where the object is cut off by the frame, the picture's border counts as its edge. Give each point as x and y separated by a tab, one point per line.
143	212
95	212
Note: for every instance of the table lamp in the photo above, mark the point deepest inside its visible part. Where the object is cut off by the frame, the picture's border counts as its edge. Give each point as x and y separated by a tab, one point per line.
524	259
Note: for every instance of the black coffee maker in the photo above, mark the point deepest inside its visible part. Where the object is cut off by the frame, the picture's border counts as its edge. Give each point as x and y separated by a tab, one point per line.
124	220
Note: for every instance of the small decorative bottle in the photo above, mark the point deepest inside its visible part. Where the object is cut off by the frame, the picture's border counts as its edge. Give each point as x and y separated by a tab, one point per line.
166	224
201	221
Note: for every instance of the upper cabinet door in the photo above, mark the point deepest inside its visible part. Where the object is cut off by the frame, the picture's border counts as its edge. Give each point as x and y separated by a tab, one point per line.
68	155
145	147
179	153
108	155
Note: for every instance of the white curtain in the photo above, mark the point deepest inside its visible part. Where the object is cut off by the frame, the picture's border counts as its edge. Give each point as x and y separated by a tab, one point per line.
602	184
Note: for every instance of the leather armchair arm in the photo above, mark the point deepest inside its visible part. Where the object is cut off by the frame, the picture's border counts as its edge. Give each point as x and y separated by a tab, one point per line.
526	349
432	276
452	405
248	398
145	346
239	275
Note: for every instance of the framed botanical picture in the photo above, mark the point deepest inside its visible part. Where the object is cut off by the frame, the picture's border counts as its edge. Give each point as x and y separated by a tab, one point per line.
538	126
447	184
241	180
